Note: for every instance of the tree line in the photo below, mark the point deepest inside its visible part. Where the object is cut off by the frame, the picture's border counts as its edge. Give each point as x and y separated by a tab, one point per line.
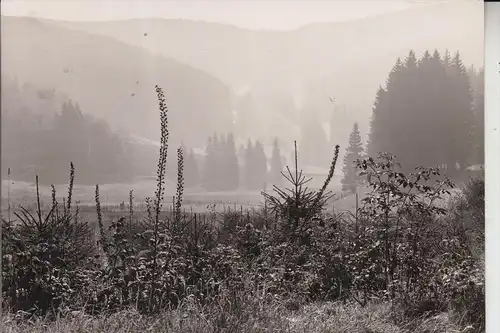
38	140
222	169
429	113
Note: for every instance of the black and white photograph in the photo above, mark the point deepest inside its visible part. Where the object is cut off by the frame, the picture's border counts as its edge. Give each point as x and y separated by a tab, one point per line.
249	166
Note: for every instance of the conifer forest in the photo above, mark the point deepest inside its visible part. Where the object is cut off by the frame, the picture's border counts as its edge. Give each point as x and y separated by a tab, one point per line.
182	175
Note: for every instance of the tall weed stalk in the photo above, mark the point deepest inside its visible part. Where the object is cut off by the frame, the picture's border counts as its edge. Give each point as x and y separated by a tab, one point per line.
161	174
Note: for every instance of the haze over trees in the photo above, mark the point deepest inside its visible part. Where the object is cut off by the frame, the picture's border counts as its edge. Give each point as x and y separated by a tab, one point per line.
425	114
44	142
477	84
112	80
191	170
224	170
330	54
275	175
107	75
221	171
314	147
255	168
235	103
220	59
430	112
354	152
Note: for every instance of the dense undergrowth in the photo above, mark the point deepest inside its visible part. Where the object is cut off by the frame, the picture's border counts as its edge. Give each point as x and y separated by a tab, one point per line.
401	252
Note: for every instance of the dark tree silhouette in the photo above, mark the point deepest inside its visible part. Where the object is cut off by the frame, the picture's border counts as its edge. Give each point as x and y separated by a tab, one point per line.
354	151
249	165
230	165
478	132
260	171
276	165
191	171
425	116
314	144
209	165
40	141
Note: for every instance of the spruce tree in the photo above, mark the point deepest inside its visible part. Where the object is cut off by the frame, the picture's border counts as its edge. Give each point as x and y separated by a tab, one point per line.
276	164
424	115
260	167
231	164
383	118
192	176
314	144
220	164
379	139
394	74
431	78
209	165
447	61
249	165
241	163
478	108
406	113
462	119
354	151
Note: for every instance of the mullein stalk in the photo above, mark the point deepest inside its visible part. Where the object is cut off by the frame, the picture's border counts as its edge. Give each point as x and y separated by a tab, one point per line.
161	174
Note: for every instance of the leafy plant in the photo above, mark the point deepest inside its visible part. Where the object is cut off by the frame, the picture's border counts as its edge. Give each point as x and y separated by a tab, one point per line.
397	216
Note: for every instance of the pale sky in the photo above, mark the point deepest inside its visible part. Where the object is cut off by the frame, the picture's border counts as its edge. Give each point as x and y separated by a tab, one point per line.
255	14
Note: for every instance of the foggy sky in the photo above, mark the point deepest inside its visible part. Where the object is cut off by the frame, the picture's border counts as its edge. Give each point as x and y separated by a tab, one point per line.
259	14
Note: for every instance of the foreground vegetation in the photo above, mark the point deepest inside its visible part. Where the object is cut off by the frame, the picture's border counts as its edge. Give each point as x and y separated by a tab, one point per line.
248	315
399	263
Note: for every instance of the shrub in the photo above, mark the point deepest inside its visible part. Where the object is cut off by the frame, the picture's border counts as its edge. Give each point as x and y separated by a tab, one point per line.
298	206
44	257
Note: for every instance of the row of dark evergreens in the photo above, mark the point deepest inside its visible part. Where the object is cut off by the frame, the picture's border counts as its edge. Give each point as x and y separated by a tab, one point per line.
44	143
430	112
221	169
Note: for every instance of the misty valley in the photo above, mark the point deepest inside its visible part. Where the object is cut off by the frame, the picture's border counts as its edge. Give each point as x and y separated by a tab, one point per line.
180	175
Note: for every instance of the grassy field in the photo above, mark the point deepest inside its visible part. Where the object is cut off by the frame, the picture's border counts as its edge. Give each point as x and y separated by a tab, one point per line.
111	195
195	200
250	317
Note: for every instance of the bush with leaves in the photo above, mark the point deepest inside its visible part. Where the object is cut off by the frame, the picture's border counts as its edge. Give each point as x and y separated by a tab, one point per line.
459	273
395	226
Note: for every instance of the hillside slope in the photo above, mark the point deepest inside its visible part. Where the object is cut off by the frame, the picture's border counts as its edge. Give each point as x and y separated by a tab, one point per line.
116	81
337	56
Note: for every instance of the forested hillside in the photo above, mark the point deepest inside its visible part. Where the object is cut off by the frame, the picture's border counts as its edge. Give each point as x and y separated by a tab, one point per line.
113	80
315	61
43	130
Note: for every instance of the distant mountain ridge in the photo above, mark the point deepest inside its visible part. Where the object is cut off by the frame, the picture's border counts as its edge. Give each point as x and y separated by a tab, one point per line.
346	60
201	65
292	58
116	81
